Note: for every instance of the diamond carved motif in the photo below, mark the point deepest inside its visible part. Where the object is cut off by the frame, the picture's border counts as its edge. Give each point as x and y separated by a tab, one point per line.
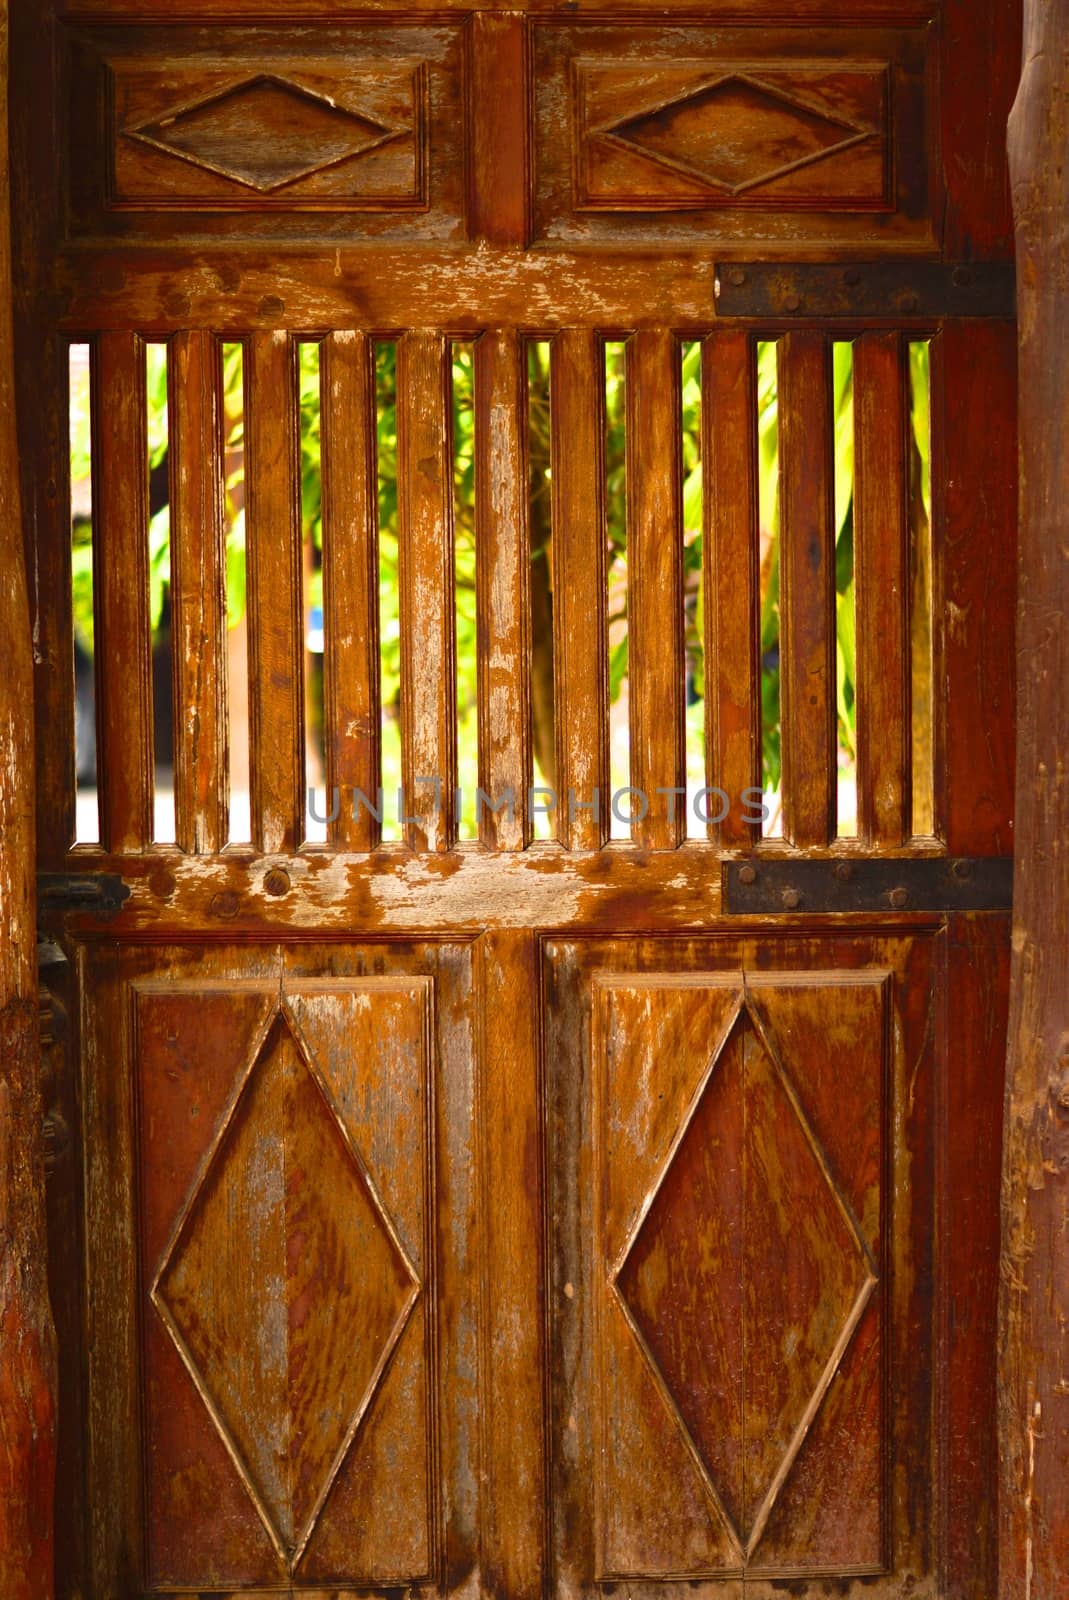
735	134
745	1277
285	1288
264	133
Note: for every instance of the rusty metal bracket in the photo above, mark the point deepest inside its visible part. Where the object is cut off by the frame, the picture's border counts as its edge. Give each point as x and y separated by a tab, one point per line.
921	291
99	892
757	886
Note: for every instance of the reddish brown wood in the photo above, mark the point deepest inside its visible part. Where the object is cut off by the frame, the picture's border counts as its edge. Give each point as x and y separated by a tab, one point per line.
692	1189
198	593
276	624
730	576
498	113
427	590
881	586
43	381
580	648
350	586
513	1544
974	484
691	1307
1034	1313
980	44
120	592
503	587
655	586
977	973
807	589
27	1340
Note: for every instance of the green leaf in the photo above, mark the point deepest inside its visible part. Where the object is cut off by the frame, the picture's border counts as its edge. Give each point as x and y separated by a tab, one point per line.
617	669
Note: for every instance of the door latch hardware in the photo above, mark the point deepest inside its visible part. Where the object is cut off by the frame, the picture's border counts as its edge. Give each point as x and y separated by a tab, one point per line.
852	883
921	291
101	892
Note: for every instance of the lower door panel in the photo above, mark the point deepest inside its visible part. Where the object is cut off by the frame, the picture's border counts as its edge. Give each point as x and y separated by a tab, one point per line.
741	1136
276	1337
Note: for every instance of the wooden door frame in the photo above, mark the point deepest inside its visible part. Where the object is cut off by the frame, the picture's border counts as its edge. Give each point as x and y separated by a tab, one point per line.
1033	1385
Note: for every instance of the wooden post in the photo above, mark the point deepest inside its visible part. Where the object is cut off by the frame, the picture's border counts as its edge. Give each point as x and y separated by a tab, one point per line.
27	1345
1034	1341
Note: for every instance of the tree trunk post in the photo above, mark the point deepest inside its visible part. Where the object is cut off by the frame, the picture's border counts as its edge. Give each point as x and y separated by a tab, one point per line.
27	1342
1034	1312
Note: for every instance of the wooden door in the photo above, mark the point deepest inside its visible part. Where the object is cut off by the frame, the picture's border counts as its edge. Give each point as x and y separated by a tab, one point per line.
524	1206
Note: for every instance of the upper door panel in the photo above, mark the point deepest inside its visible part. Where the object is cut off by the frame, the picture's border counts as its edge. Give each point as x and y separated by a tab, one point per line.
641	135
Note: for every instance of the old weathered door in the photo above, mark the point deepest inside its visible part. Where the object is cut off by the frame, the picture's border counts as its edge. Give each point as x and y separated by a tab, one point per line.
544	1202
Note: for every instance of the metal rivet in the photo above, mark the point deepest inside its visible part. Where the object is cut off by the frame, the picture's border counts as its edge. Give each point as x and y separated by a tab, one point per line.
225	904
843	870
747	873
961	277
737	277
271	306
961	869
277	881
899	898
792	301
791	899
909	302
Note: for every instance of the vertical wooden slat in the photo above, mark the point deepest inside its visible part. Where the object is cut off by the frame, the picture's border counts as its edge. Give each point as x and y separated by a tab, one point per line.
350	585
580	644
427	585
503	588
807	589
273	575
731	578
198	592
123	646
44	460
974	490
499	186
655	586
881	568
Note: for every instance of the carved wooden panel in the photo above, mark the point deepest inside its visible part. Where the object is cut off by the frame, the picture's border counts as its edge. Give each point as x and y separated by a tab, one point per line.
721	135
366	123
286	1173
279	1186
732	1268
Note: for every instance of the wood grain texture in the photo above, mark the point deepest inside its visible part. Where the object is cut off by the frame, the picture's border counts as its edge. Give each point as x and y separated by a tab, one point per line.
498	118
980	44
351	691
1034	1312
198	593
978	958
807	589
974	485
313	1373
713	1099
503	587
882	589
513	1374
44	459
273	566
580	644
730	554
656	672
125	773
427	578
28	1381
695	128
